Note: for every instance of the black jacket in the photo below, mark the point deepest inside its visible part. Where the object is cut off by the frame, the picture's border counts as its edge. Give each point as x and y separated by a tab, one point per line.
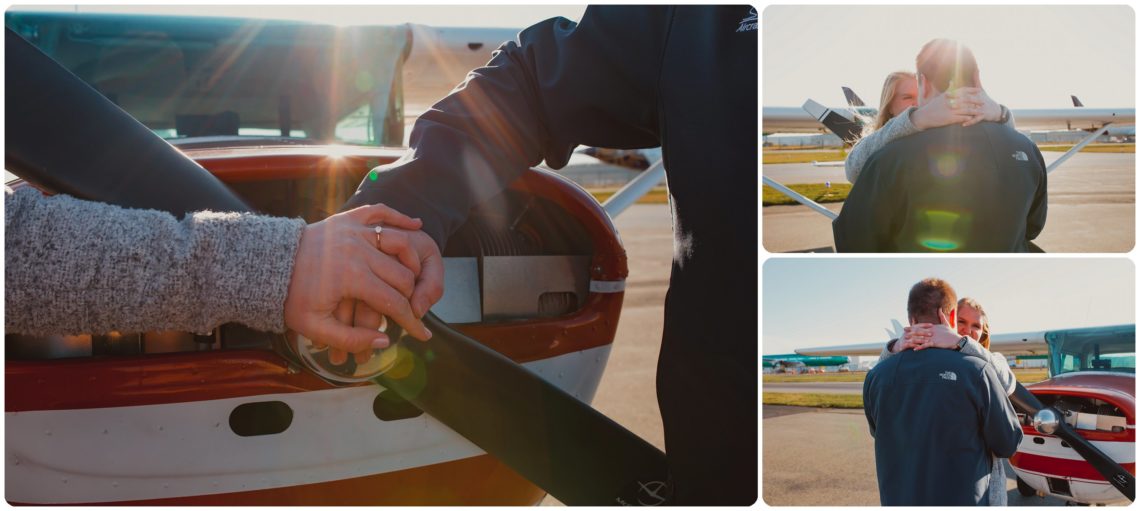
680	77
976	189
936	416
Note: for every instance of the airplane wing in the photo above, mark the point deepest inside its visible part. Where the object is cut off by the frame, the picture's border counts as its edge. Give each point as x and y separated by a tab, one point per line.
1022	343
1082	118
812	115
871	349
1025	343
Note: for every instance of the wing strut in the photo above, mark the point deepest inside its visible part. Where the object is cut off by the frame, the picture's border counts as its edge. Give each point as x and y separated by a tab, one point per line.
634	189
1077	148
800	198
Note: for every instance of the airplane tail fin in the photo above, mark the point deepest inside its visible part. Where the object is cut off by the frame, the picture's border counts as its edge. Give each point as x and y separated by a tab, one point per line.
898	330
1076	102
852	99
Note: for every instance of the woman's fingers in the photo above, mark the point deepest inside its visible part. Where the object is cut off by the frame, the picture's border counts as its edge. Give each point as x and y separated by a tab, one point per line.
396	243
382	214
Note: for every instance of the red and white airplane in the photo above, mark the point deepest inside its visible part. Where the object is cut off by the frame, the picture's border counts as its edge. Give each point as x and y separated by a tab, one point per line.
1091	391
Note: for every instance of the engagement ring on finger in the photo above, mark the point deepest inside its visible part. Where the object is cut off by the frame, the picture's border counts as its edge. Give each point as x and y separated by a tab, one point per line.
379	229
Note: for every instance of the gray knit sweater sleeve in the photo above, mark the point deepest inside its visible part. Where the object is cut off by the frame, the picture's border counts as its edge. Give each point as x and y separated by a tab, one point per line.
75	266
894	129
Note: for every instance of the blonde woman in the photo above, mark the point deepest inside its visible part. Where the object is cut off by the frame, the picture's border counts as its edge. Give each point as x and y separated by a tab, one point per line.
900	116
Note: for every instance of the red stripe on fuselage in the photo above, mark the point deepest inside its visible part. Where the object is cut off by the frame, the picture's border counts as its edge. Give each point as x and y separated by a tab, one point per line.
1060	467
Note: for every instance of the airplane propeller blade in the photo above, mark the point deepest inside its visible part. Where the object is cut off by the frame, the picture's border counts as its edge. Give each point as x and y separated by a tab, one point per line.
559	443
1050	421
61	132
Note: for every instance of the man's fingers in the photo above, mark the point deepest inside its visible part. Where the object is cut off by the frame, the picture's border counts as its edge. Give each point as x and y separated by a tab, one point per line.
429	287
365	317
396	243
387	301
337	357
343	339
389	270
382	214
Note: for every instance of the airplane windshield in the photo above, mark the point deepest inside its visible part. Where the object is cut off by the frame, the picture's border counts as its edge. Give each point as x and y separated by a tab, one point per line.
1111	349
187	77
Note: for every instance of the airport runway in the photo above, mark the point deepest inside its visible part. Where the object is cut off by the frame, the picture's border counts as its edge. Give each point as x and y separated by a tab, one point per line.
819	457
627	392
815	387
1092	202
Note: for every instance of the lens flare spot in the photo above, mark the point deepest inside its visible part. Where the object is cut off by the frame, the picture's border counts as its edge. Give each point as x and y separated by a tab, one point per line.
938	230
374	174
947	165
940	245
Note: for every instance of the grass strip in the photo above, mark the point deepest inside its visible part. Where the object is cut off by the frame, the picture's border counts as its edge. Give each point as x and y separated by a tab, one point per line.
1092	148
818	192
1026	376
655	196
778	157
814	400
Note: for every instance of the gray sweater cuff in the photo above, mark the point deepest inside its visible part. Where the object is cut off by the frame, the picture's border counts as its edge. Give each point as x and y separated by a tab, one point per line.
75	266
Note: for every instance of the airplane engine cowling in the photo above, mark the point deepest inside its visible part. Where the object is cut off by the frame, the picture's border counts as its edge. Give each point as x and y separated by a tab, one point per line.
1101	407
536	274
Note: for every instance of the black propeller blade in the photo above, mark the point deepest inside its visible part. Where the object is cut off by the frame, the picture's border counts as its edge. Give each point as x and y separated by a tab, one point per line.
559	443
64	135
1051	421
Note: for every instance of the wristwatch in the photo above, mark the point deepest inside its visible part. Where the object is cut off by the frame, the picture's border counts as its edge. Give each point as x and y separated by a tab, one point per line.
962	343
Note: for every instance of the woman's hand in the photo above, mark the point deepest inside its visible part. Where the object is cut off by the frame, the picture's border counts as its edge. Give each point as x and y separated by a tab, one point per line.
985	109
966	106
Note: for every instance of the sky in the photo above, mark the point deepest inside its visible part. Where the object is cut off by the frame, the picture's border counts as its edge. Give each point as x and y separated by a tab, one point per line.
831	301
1029	56
503	16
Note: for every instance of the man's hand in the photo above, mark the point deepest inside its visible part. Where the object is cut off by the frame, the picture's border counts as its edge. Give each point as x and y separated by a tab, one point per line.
428	289
338	259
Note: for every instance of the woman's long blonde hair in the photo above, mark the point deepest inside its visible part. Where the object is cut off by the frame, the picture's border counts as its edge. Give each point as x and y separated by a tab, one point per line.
889	90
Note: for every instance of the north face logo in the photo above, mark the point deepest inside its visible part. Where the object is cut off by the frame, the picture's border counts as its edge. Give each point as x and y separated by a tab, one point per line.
949	375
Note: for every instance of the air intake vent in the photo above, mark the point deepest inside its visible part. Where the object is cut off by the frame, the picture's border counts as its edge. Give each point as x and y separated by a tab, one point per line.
557	304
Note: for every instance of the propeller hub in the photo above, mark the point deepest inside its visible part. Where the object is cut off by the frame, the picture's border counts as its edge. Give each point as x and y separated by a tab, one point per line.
1046	421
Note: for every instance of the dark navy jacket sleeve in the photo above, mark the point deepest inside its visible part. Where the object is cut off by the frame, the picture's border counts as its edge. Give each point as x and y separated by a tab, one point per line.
869	403
1036	219
999	427
560	85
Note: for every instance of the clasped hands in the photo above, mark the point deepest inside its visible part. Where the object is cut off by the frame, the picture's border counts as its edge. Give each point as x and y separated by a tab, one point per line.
347	279
921	336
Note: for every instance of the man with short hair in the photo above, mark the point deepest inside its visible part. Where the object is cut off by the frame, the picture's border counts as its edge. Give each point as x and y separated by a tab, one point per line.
980	188
937	415
971	338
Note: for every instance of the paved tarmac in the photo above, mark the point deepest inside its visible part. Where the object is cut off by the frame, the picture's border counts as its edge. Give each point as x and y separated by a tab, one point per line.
821	457
627	393
1092	203
815	387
